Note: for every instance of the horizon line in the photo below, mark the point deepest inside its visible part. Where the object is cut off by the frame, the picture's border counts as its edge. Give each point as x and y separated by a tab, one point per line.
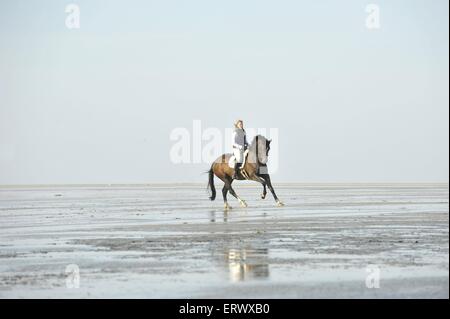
153	184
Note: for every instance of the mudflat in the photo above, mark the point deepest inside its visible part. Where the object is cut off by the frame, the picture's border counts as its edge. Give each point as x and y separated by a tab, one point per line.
170	241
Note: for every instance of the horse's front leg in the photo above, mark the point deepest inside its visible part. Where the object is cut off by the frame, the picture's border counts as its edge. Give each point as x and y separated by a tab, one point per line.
259	179
266	177
263	195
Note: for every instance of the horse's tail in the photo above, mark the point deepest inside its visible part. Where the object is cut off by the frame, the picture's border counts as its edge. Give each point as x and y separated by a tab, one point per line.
211	184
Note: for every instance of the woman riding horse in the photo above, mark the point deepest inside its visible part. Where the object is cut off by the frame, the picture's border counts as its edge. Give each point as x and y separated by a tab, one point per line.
255	168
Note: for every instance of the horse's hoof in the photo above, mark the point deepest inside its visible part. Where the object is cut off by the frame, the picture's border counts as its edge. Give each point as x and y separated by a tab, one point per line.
263	196
227	207
280	204
243	203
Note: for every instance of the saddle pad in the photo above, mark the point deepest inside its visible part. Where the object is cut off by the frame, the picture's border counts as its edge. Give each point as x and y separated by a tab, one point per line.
232	161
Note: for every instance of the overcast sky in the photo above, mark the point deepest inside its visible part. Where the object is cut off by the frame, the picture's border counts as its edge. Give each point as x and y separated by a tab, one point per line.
98	104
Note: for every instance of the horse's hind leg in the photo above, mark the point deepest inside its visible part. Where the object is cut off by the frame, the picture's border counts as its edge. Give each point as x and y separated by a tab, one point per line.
224	193
232	192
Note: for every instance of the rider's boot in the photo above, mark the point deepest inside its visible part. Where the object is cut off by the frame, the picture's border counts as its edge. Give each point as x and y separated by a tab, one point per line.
236	170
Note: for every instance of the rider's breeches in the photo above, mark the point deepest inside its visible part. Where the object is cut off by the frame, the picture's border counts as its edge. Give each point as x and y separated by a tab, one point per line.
239	154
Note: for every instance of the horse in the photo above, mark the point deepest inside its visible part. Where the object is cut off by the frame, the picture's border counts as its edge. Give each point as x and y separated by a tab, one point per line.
255	169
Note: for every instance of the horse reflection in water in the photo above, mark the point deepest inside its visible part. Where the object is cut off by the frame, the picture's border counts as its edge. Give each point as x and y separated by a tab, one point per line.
247	263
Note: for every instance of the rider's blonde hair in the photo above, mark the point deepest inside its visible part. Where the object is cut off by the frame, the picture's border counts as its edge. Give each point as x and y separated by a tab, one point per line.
237	122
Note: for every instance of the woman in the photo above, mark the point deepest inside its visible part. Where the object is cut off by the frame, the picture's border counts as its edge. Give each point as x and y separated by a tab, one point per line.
239	145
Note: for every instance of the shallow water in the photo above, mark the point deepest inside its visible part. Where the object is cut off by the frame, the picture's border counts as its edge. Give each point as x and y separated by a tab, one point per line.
170	241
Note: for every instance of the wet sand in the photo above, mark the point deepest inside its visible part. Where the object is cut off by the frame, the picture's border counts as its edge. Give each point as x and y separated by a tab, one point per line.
170	241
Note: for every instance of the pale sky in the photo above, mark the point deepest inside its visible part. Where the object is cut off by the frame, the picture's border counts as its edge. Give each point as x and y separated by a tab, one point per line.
98	104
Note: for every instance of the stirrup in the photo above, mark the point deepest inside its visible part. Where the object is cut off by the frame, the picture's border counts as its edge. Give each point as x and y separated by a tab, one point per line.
243	173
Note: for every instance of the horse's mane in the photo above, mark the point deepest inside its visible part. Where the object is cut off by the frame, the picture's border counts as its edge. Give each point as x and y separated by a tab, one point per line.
260	137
